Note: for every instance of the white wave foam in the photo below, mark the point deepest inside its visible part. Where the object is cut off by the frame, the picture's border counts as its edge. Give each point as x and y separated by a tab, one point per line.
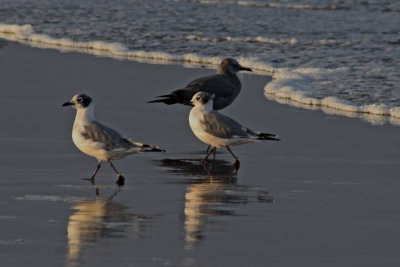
262	4
258	39
26	34
266	40
291	86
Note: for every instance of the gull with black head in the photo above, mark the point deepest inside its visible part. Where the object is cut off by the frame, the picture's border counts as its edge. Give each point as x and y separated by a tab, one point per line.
225	86
99	141
218	130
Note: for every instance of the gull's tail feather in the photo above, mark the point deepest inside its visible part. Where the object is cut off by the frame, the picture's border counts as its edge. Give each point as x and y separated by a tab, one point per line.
167	99
180	96
268	136
147	148
153	149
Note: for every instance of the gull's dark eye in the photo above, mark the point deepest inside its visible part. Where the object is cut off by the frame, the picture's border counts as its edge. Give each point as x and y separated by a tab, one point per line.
198	98
80	99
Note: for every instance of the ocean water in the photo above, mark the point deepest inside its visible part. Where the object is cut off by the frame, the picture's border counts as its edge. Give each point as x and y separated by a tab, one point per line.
339	56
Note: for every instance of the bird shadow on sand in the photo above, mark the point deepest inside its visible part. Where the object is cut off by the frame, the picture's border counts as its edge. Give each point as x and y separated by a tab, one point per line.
216	169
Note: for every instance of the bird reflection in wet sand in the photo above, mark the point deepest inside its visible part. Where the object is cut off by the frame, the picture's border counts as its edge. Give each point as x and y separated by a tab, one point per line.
212	190
99	219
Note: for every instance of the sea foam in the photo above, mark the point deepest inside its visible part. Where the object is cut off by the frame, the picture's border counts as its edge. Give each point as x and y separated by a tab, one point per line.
258	39
263	4
26	34
289	85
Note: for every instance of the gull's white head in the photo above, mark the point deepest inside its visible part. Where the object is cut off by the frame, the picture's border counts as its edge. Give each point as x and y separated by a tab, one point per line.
202	99
79	101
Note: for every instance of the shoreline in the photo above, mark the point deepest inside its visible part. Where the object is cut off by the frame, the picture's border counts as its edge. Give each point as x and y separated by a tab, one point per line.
283	89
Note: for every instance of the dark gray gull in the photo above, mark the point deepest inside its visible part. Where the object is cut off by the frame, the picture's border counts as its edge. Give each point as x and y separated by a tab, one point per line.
99	141
218	130
225	86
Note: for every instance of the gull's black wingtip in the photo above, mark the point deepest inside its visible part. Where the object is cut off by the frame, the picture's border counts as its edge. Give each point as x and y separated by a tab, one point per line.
156	101
267	136
157	150
167	99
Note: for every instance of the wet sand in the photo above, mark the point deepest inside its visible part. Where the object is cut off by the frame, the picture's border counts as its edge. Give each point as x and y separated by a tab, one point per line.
328	194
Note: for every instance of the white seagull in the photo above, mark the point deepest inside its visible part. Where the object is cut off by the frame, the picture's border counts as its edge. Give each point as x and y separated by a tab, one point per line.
218	130
99	141
225	85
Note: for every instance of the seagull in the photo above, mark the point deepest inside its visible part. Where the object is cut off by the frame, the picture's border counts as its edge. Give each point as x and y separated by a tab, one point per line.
99	141
218	130
225	85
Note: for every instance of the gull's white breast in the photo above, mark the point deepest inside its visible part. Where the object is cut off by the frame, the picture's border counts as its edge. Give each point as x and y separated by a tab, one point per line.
87	145
196	122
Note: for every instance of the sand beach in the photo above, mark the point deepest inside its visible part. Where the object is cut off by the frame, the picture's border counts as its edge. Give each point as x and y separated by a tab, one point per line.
327	194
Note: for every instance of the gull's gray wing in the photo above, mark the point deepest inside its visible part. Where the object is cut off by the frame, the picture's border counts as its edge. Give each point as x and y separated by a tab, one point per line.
111	139
215	84
225	88
222	126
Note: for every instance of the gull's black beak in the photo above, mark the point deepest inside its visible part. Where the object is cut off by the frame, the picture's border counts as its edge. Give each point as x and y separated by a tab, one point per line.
246	69
67	104
189	103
